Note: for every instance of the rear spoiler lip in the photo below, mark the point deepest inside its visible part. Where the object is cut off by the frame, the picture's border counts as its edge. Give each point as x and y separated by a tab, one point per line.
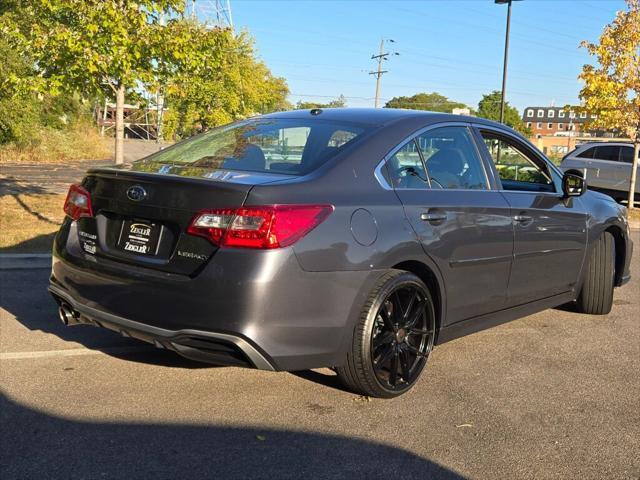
263	178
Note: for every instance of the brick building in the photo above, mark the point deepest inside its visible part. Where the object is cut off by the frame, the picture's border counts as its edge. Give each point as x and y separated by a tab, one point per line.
556	121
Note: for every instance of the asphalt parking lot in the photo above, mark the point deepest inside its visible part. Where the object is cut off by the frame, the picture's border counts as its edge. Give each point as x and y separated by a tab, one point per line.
553	395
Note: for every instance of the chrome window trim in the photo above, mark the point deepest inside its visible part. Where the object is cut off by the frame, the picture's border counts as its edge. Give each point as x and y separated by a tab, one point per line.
412	137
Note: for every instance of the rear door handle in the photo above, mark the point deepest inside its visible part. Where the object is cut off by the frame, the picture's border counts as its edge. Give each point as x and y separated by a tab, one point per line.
433	217
522	218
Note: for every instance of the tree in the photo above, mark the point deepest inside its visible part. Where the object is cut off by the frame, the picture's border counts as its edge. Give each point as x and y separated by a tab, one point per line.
489	107
98	47
339	102
612	88
425	101
226	84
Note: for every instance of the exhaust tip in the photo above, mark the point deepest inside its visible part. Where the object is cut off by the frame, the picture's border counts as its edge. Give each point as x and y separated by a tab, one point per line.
67	315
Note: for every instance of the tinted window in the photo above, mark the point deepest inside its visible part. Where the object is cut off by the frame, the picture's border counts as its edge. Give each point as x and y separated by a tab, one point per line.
607	152
588	153
517	170
263	145
405	168
452	159
627	154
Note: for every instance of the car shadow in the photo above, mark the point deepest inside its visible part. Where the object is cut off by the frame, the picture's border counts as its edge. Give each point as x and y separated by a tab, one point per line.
23	294
36	444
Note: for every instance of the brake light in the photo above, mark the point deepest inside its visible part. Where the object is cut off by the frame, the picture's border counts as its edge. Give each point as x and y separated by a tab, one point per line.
263	227
78	202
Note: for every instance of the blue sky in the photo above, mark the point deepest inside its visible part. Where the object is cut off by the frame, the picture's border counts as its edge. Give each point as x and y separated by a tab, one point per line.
323	48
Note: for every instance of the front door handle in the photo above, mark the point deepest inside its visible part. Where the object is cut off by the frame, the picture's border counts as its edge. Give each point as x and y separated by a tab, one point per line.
433	217
522	218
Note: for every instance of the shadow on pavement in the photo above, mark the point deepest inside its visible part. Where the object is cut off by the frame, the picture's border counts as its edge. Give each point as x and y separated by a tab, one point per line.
35	444
23	294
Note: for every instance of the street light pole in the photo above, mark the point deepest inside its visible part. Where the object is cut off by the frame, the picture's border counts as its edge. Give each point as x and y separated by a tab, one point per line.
506	57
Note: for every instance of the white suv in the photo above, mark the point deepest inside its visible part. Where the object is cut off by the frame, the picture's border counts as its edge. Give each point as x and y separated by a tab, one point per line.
606	167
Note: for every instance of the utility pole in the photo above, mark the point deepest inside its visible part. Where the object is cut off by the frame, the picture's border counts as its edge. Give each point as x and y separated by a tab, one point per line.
506	57
381	57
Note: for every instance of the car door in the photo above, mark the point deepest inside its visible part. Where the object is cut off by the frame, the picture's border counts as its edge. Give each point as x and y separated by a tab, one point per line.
626	162
607	169
463	225
549	230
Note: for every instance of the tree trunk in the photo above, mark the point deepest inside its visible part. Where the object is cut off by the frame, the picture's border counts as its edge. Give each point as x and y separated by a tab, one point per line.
119	158
634	171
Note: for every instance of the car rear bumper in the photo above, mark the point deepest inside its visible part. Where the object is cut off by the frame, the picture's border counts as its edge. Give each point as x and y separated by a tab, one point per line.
218	348
259	305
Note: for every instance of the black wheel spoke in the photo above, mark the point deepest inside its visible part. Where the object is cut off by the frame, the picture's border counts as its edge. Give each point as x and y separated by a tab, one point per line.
412	301
382	339
416	331
402	336
385	355
406	363
387	316
397	307
393	372
414	318
417	351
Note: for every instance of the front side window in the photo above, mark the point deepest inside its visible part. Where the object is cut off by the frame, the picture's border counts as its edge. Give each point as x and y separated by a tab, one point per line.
452	159
405	168
517	170
588	153
291	146
607	152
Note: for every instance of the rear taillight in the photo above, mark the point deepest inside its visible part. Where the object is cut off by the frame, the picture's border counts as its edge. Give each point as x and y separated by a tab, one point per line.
272	226
78	202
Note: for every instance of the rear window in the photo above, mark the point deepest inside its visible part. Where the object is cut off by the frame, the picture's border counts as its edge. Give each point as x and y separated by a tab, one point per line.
288	146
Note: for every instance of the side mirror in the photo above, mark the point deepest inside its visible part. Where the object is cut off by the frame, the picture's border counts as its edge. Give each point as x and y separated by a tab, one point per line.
573	184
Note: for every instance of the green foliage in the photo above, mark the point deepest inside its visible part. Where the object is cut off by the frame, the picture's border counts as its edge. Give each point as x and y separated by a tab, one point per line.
23	113
339	102
99	47
425	101
489	107
227	83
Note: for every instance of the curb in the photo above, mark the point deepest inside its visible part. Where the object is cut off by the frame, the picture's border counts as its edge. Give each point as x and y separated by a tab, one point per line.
24	261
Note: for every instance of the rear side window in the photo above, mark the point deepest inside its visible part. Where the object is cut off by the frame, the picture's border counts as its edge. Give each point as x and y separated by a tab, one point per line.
607	152
626	154
405	168
291	146
452	159
588	153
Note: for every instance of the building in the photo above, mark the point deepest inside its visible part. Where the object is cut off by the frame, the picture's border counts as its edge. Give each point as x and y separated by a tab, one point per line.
557	121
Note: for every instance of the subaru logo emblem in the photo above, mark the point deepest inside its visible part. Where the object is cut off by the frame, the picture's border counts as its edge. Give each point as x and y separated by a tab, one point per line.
136	193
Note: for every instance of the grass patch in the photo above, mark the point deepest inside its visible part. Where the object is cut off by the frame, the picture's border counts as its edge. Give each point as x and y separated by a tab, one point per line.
79	142
29	222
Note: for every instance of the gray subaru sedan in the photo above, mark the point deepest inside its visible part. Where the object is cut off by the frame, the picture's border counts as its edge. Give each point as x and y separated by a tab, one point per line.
355	239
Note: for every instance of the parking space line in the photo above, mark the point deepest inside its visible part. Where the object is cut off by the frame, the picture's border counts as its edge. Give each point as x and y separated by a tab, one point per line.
74	352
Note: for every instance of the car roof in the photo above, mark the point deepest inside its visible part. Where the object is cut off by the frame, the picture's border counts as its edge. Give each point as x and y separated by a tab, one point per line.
378	116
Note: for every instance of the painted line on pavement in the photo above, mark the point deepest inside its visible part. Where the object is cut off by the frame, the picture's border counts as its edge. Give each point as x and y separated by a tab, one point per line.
74	352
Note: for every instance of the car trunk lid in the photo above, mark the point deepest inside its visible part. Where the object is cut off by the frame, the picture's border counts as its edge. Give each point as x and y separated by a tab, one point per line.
141	218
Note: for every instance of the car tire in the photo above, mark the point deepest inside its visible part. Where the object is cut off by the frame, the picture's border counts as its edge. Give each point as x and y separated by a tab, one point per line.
596	293
396	330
